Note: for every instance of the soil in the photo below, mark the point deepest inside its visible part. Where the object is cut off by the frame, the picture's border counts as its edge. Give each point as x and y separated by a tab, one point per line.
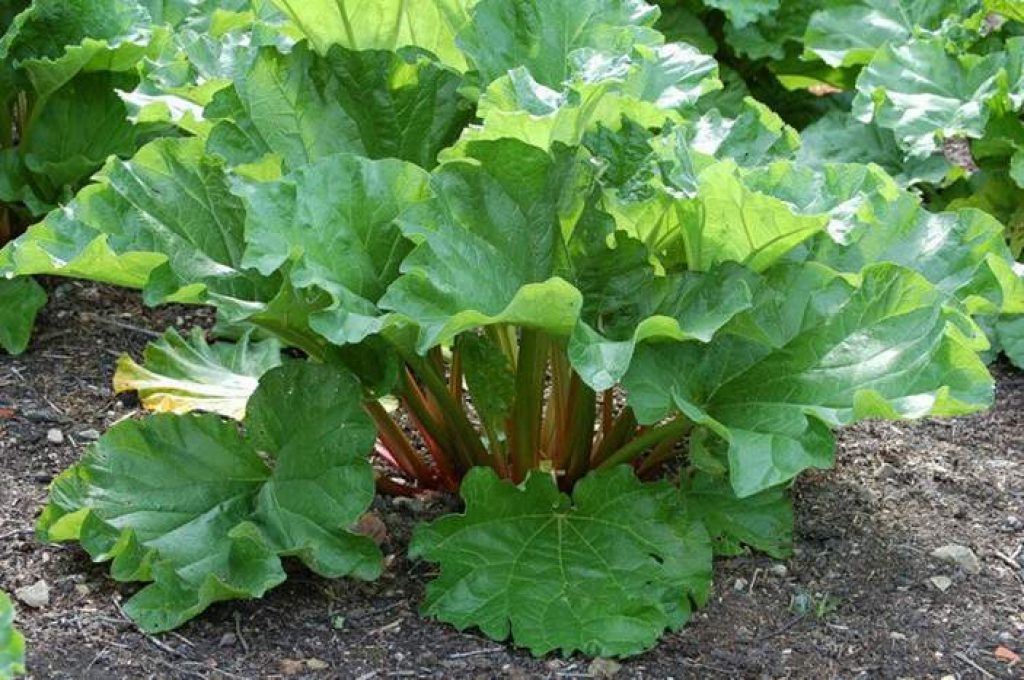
856	600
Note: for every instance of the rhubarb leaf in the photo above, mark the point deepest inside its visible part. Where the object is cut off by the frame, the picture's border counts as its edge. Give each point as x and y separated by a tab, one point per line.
815	354
540	35
763	521
604	573
382	24
335	220
302	107
181	375
223	539
20	302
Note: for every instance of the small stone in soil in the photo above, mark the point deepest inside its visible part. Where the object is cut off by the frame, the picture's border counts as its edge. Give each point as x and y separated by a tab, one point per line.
943	583
89	435
317	665
740	584
1012	523
54	436
959	555
604	668
290	667
779	570
227	640
36	595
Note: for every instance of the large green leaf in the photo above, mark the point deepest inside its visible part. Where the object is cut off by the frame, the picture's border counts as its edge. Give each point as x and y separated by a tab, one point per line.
181	375
763	521
837	137
382	24
166	220
222	539
491	245
20	301
12	643
815	353
335	220
604	573
924	94
540	35
55	39
736	223
651	86
302	107
630	306
849	33
81	124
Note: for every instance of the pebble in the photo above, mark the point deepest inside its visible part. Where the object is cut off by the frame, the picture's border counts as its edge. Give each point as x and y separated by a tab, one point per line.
604	668
1012	523
779	570
89	435
227	640
317	664
54	436
1006	637
36	595
943	583
740	584
959	555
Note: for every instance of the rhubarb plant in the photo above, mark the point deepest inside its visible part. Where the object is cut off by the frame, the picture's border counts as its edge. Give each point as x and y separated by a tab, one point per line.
529	252
85	80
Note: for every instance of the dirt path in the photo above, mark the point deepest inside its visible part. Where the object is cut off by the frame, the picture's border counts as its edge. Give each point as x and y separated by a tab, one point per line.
862	569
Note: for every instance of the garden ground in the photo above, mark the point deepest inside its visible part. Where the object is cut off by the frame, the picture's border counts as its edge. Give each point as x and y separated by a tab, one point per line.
862	597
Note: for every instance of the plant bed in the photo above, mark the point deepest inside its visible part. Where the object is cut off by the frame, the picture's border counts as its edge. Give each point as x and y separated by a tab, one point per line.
863	535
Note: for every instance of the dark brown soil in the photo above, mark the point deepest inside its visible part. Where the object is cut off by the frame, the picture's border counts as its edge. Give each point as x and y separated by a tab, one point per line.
865	532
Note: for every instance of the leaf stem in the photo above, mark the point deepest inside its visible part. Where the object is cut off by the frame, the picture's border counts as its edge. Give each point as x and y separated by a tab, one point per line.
527	410
464	435
674	428
623	428
579	440
398	445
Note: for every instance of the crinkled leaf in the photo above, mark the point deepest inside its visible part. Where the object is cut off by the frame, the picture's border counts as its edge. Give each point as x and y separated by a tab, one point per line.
1010	332
165	219
816	353
743	12
763	521
605	572
335	220
20	301
491	245
382	24
322	480
540	35
222	539
81	124
771	34
302	107
181	375
631	309
849	33
837	137
924	94
738	224
650	86
12	643
56	39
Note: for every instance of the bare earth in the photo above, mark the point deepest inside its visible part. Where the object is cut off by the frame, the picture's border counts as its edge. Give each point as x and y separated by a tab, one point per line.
855	602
